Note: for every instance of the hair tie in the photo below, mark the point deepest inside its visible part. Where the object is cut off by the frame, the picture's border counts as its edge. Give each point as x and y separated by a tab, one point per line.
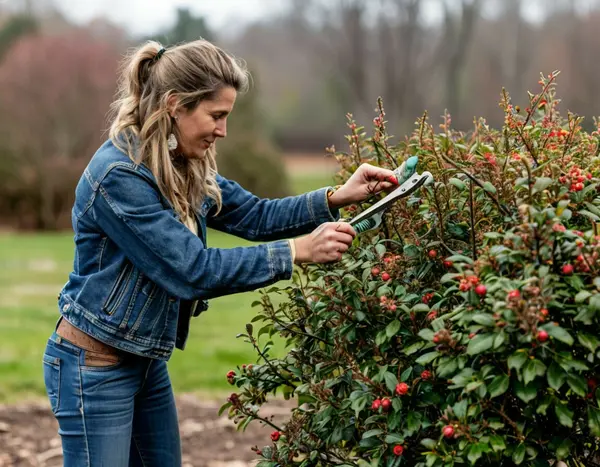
159	54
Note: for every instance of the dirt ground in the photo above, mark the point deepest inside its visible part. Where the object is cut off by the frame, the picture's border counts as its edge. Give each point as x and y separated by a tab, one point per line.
28	435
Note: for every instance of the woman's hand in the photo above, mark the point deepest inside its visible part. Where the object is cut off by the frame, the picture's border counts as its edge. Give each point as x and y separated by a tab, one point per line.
325	244
364	183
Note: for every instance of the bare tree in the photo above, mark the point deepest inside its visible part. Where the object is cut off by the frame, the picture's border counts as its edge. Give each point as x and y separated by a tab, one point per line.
459	29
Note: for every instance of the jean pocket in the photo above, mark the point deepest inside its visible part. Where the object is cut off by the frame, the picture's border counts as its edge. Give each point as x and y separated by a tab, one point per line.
99	362
52	380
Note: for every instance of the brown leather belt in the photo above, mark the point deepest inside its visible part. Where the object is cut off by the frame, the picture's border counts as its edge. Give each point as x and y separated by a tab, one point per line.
97	353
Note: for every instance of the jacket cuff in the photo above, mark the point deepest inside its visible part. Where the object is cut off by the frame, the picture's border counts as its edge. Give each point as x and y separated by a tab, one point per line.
280	259
319	209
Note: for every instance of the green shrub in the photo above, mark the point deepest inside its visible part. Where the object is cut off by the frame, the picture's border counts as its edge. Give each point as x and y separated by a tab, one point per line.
466	329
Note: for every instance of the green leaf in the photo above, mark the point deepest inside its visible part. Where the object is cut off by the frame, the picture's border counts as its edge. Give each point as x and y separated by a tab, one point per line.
565	416
499	385
459	184
558	333
394	438
485	319
392	328
427	358
429	443
589	215
460	408
532	369
594	420
499	339
371	433
475	451
426	334
449	276
562	452
487	186
413	422
480	344
497	443
525	392
390	381
556	376
420	308
543	407
588	341
541	184
582	296
577	384
411	349
517	360
519	454
459	259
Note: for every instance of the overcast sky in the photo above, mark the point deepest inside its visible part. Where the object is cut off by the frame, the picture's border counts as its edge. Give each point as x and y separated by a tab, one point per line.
142	17
149	16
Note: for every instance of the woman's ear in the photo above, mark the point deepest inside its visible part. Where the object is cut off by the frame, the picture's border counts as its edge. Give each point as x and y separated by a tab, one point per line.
172	105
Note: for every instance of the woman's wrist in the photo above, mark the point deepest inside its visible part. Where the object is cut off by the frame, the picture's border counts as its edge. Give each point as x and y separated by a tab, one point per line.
301	250
334	197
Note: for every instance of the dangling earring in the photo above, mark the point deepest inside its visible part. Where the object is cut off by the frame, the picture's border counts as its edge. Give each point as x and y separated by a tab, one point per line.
172	142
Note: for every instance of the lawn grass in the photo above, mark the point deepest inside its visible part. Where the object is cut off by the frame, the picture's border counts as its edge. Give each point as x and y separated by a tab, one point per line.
33	269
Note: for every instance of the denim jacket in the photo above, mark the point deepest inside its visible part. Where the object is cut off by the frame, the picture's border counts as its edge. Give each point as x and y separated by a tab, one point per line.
137	266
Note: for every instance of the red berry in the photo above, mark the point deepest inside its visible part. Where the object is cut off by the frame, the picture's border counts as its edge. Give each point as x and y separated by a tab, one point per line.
375	271
432	254
567	269
376	404
386	404
592	383
431	315
385	276
473	280
514	295
275	435
398	450
401	389
392	307
542	336
231	374
387	259
448	431
472	335
481	290
447	264
426	374
544	311
436	339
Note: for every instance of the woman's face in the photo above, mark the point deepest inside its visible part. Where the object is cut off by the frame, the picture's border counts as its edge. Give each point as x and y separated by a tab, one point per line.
200	127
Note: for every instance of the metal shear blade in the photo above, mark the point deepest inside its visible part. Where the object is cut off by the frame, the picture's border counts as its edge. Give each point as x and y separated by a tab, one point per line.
406	189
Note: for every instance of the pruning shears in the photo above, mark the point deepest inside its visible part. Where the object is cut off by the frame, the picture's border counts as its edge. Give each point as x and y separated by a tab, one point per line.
409	183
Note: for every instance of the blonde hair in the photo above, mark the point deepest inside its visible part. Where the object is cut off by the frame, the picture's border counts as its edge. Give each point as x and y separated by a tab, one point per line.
141	123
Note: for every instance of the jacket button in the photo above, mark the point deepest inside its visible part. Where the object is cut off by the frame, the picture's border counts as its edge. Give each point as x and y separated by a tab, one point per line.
65	307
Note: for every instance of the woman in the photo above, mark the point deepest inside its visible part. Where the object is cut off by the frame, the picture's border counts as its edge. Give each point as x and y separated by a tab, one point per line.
142	268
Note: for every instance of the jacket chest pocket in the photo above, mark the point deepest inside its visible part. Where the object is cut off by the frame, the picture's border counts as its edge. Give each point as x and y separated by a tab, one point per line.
134	304
115	297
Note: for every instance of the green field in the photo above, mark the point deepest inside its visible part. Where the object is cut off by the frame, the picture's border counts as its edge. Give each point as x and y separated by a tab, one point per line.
33	269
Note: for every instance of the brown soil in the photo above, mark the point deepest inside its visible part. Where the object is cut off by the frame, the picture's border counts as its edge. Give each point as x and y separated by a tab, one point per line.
28	435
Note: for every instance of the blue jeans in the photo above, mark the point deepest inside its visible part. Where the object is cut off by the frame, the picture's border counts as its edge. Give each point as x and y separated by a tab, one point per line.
114	416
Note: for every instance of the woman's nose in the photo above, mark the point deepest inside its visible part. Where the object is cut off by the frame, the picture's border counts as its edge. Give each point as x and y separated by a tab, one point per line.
221	129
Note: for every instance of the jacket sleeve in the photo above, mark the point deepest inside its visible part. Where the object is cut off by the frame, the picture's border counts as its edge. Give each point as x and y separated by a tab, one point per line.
128	208
247	216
